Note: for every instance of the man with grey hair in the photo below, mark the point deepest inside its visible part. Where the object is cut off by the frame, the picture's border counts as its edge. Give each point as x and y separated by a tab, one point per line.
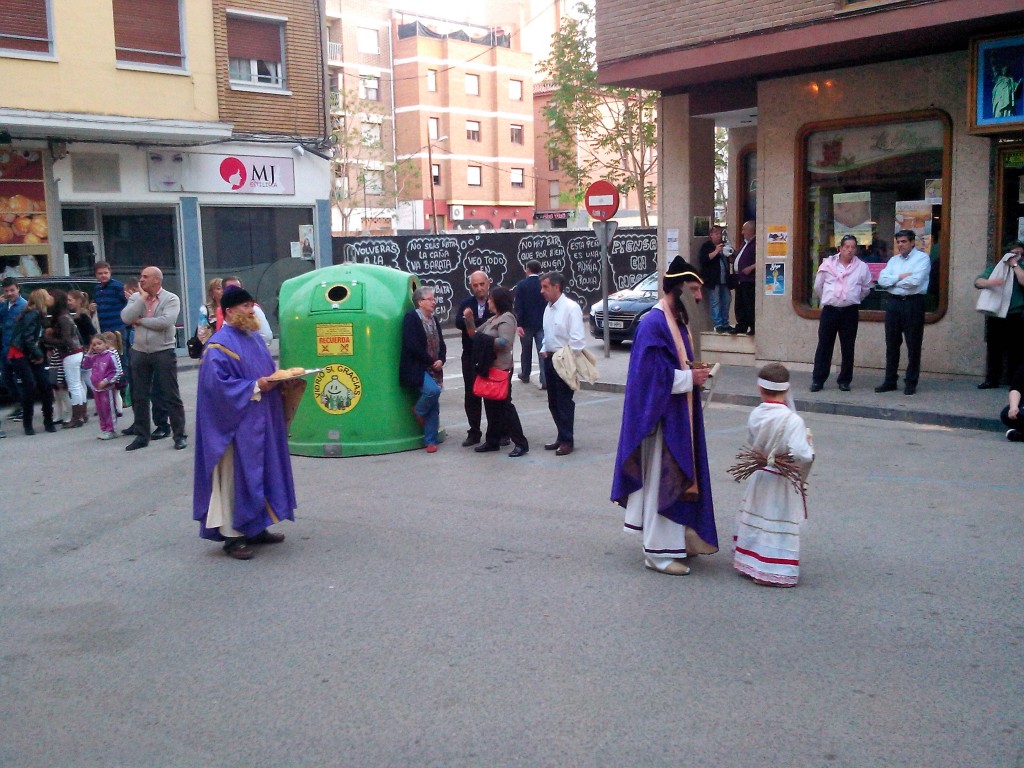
471	313
152	313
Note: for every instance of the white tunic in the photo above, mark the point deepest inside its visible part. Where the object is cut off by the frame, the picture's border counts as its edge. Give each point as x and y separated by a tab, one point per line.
768	527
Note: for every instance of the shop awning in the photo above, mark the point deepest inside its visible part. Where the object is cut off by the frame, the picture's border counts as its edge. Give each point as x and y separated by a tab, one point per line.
72	126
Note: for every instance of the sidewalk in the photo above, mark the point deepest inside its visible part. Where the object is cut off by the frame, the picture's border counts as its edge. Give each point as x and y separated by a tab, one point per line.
948	401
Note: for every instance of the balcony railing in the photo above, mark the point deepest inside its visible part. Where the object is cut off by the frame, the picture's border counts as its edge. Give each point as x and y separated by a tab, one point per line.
334	52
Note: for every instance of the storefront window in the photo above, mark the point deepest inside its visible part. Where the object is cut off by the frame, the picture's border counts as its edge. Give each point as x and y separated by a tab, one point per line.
869	178
255	245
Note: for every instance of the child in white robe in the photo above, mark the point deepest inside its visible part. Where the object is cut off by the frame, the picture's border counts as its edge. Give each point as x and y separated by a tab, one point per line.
768	527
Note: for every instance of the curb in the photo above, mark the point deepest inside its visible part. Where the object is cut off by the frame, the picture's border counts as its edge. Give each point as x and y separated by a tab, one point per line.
933	418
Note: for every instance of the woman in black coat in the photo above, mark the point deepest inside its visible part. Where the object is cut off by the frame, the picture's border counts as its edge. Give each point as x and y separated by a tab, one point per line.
422	360
28	360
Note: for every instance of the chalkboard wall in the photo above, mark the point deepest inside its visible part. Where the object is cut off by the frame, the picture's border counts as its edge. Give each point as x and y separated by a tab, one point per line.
446	261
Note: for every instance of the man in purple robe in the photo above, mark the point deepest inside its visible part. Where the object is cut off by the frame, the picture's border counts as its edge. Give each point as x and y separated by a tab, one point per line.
661	468
243	473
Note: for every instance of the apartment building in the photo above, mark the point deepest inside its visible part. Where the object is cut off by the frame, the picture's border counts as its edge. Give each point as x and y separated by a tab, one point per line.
186	134
464	116
845	117
367	179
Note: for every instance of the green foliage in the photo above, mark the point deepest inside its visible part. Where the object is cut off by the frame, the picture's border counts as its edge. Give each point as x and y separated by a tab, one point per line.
597	131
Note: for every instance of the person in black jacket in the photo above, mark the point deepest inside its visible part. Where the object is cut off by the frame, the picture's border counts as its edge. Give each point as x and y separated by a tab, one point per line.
422	360
714	271
529	308
28	360
472	312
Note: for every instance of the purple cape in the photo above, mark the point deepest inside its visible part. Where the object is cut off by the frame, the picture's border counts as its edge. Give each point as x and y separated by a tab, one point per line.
648	401
226	414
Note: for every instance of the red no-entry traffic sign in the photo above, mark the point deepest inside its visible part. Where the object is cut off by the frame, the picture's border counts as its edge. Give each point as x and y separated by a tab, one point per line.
601	200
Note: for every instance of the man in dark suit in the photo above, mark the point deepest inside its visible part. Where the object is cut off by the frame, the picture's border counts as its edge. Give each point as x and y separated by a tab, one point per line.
470	314
744	265
529	308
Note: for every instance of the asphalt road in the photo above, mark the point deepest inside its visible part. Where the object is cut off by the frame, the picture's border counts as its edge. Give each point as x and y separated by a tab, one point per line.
463	609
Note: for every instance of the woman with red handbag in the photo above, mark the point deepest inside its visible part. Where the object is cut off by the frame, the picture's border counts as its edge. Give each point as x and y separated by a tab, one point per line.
502	417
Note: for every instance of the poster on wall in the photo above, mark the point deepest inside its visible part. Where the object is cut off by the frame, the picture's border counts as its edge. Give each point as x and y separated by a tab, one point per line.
774	278
778	242
24	229
916	215
851	214
997	66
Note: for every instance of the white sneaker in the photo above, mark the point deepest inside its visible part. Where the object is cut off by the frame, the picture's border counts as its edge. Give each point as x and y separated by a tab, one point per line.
106	436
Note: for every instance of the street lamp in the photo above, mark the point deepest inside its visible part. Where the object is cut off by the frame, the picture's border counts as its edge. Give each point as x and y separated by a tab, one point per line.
430	172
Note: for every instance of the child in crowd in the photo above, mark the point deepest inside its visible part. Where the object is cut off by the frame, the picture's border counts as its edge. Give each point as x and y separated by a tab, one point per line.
104	375
113	342
775	467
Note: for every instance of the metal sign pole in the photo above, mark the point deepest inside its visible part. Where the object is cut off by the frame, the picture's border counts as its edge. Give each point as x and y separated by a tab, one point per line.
605	231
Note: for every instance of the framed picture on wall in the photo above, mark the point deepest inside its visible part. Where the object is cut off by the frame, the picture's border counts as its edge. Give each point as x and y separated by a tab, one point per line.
996	85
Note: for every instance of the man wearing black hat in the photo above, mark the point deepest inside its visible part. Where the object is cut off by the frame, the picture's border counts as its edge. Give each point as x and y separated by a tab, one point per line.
243	473
152	313
661	468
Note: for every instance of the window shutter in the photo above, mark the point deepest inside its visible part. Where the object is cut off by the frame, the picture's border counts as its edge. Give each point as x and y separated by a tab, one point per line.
252	39
148	32
23	26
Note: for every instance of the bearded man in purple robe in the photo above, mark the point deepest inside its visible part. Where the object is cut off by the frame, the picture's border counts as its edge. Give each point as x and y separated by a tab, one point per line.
661	468
243	473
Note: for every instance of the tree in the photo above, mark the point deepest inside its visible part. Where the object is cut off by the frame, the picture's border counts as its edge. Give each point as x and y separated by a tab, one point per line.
366	173
597	131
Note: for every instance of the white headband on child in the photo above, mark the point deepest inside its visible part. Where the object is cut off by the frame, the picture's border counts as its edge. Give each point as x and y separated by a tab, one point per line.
774	386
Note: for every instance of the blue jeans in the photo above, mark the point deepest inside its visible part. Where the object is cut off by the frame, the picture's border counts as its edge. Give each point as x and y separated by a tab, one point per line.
718	302
428	408
531	336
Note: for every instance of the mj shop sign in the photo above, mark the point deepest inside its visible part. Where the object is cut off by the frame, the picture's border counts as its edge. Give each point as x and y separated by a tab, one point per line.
171	171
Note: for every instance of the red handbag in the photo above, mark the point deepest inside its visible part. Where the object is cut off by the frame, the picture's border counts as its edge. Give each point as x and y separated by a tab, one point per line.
493	386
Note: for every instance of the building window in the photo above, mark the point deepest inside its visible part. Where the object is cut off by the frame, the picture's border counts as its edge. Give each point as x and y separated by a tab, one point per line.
516	134
148	32
517	176
515	90
367	40
553	164
369	87
25	26
373	182
472	130
433	128
868	178
372	134
431	79
554	195
473	85
435	174
256	51
473	175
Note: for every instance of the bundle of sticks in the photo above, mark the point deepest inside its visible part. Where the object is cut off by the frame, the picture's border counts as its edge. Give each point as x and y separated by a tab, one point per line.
750	460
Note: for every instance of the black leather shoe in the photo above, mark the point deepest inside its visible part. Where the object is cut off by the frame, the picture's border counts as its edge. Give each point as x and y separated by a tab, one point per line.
160	433
551	446
138	442
518	451
910	389
816	387
988	385
180	443
844	387
471	439
885	388
129	431
485	448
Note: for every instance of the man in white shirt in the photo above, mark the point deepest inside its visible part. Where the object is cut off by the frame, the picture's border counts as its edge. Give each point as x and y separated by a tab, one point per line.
563	325
905	277
265	330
